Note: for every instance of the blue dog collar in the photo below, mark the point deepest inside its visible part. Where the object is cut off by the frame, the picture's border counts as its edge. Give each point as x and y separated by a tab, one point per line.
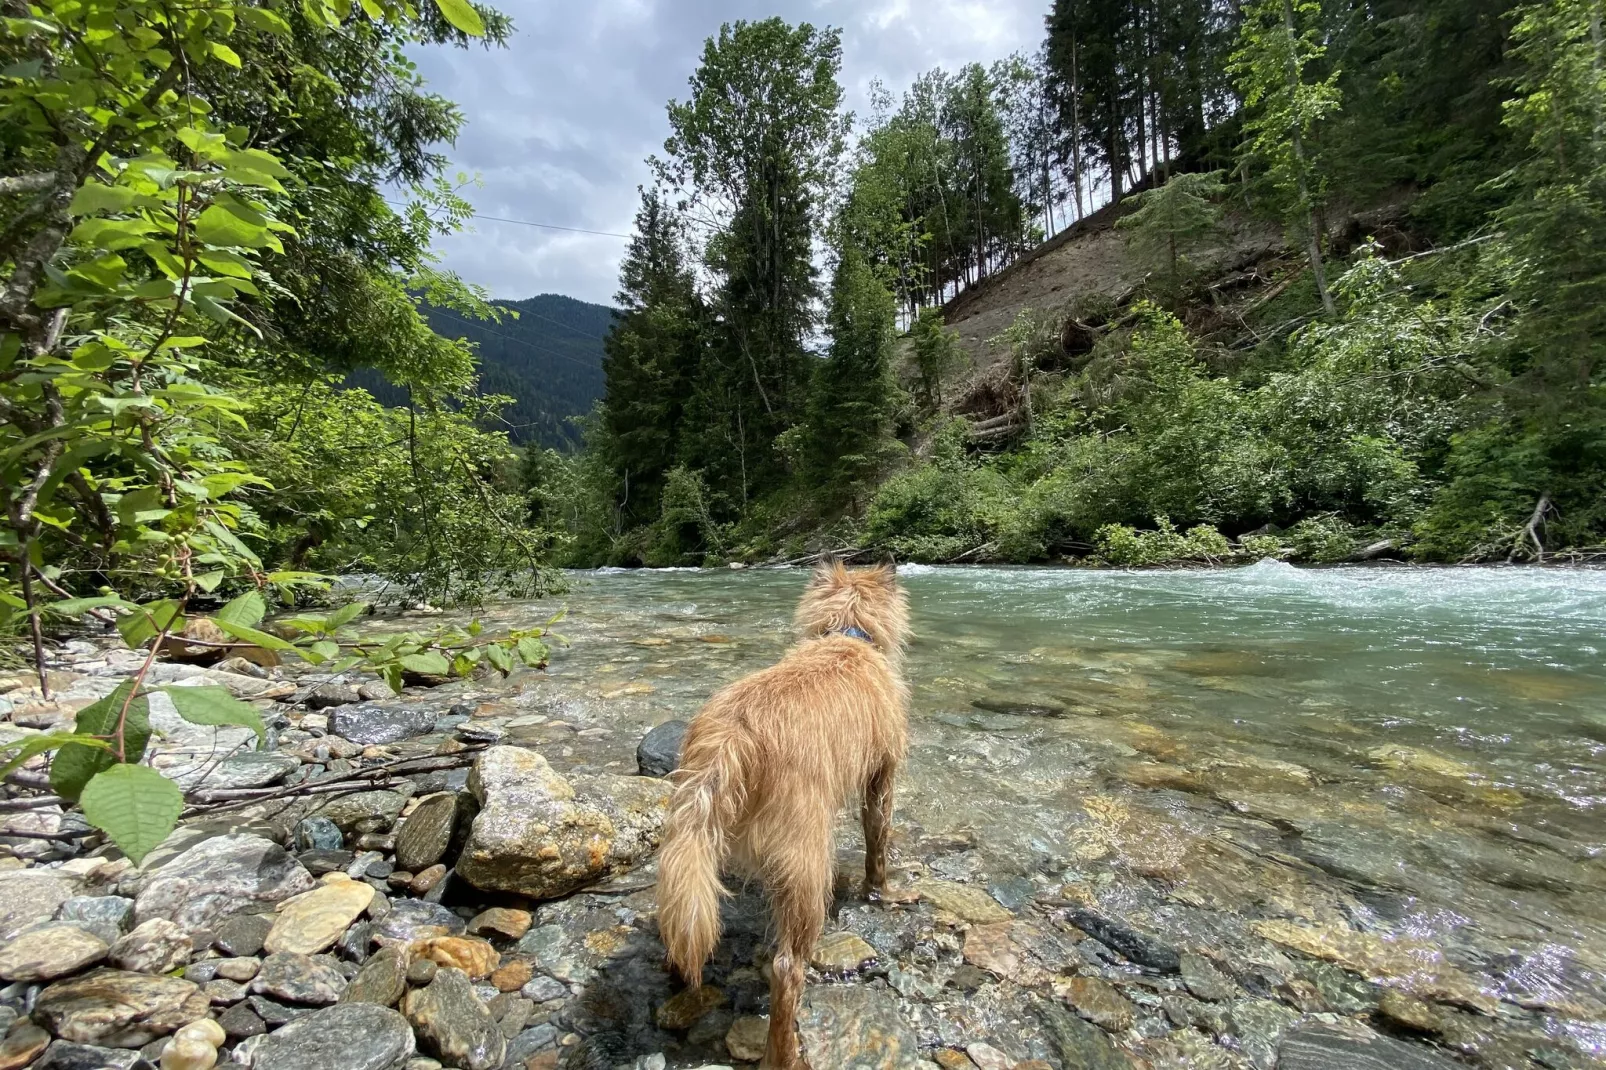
855	633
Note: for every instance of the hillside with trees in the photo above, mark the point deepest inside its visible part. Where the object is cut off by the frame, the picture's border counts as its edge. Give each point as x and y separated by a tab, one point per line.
1321	281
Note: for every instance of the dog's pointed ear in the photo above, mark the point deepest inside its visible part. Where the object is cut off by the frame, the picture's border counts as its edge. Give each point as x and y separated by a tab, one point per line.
828	571
884	573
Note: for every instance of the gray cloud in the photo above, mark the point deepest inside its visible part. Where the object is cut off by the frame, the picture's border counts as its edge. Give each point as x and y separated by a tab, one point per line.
560	121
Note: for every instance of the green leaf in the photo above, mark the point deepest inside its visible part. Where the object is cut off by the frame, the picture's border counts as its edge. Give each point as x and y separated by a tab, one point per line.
247	610
72	607
135	805
346	614
76	763
226	54
98	197
150	620
533	652
215	706
325	649
461	13
248	634
500	657
34	745
429	663
259	18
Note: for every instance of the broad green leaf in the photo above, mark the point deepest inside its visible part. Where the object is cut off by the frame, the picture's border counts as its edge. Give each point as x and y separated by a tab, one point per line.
75	763
135	805
247	610
225	53
533	652
429	663
325	649
34	745
461	13
262	19
346	614
500	657
150	620
98	197
73	607
215	706
246	633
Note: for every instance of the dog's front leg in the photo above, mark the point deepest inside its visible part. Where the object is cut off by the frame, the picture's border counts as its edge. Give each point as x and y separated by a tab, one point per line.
877	829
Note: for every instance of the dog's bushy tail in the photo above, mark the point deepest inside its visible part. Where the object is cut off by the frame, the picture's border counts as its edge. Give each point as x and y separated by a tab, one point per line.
707	802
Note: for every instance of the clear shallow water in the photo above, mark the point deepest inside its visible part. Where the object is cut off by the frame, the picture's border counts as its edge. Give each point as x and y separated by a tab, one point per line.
1408	766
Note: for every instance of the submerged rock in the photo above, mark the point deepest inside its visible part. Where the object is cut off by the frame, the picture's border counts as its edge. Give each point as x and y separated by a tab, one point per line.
856	1026
1135	946
543	836
1324	1047
1079	1044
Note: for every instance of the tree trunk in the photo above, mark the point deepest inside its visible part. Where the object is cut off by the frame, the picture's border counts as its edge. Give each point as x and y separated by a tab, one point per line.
1314	247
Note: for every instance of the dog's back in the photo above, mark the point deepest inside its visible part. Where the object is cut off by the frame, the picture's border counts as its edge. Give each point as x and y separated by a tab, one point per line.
769	762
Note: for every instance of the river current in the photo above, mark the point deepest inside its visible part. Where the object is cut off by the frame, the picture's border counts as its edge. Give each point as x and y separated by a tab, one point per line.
1399	771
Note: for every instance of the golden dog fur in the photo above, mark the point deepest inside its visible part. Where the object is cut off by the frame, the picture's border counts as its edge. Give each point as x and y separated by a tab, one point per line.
766	767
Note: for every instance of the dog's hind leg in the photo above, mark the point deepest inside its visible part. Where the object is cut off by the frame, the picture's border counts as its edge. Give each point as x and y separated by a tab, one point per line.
798	891
878	828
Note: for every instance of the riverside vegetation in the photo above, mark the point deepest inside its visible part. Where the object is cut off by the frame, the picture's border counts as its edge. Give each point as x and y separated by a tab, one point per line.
1411	363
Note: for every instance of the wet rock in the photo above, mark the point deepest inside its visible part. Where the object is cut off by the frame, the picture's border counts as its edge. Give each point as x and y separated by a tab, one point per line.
1012	893
107	916
32	895
746	1038
299	978
512	977
500	921
1098	1002
543	989
313	921
155	946
967	902
856	1026
242	934
381	980
1079	1044
327	696
22	1046
218	877
1408	1013
421	972
1135	946
318	834
1325	1047
453	1024
223	992
48	953
347	1036
252	769
1203	979
658	754
1415	966
240	1021
1259	1025
119	1009
64	1055
841	952
474	957
362	811
427	834
542	836
427	881
320	862
994	948
366	723
687	1006
529	1042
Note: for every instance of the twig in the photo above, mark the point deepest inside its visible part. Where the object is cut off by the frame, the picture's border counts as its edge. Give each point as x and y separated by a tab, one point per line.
427	763
35	802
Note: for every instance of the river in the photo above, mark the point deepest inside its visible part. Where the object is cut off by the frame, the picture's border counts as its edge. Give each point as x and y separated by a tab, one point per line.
1397	771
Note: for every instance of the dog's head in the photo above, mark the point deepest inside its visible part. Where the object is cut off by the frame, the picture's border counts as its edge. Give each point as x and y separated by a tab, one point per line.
867	599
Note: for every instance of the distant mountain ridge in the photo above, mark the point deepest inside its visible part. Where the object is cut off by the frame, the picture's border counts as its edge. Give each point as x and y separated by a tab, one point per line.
548	359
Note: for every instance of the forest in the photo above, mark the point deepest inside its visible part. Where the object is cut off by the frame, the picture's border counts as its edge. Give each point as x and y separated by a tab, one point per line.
1416	376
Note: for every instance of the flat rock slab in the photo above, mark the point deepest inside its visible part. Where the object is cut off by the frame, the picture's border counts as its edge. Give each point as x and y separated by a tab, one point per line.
48	953
427	835
119	1009
221	876
857	1028
969	903
1322	1047
542	836
347	1036
30	895
313	921
369	724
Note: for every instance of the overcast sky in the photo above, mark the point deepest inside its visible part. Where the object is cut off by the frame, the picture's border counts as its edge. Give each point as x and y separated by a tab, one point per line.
560	121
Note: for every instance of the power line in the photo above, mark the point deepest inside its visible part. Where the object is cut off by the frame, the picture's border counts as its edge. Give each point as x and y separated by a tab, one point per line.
531	223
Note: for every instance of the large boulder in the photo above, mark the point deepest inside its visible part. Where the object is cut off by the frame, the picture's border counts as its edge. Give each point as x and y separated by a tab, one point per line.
221	876
543	836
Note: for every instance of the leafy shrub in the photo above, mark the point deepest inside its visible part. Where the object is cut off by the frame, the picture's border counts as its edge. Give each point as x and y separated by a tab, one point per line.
1261	547
1323	539
1119	544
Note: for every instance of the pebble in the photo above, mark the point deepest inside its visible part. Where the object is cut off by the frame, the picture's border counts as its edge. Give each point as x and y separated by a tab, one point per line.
22	1046
382	980
242	935
320	861
155	946
312	922
107	916
51	952
512	977
1203	979
65	1055
500	921
427	833
369	723
423	883
1098	1002
240	1021
236	969
544	989
347	1036
747	1038
421	971
475	957
453	1024
299	978
32	895
223	992
414	919
841	952
658	754
987	1057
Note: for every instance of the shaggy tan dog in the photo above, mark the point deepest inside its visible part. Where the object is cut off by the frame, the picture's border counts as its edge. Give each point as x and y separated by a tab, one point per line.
766	767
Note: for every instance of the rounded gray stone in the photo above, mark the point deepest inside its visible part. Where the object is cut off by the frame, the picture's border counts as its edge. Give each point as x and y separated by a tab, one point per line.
350	1036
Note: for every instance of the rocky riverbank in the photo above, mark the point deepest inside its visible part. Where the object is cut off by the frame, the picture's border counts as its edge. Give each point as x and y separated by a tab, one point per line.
463	876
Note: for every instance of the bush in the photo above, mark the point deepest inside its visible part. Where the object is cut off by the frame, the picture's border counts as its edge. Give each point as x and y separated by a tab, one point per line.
1119	544
1323	539
1261	547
